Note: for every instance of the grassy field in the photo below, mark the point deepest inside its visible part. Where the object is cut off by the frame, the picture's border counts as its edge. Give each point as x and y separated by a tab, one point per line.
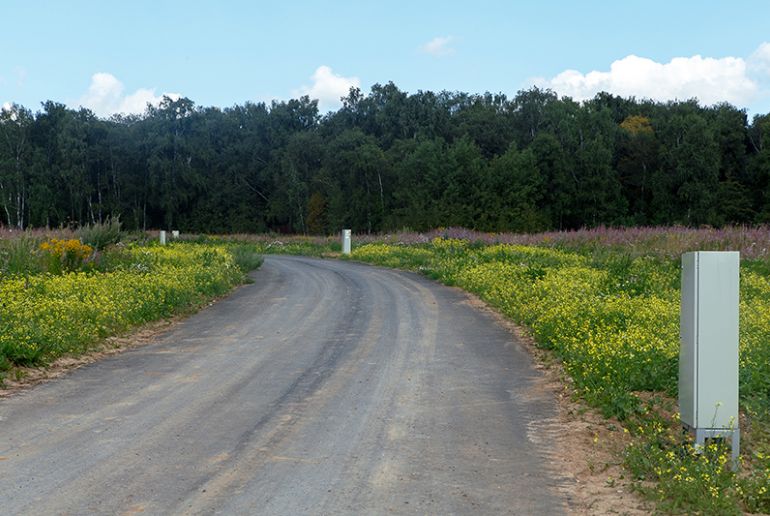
59	296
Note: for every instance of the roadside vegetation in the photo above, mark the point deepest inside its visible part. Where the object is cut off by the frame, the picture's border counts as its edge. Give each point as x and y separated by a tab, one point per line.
316	246
603	303
61	293
606	304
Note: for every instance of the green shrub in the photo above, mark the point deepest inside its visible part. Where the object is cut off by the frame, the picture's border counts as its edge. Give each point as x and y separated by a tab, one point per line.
20	255
61	255
246	257
101	234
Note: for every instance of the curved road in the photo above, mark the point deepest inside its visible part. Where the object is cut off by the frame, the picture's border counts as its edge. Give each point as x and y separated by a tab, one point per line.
325	387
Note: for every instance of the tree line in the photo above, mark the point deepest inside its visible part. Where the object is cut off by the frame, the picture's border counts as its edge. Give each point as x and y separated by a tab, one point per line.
388	160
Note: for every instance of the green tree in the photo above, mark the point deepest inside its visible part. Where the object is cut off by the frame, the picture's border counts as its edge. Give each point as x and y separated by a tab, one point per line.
758	175
418	167
513	192
687	182
16	153
463	170
361	169
388	159
636	157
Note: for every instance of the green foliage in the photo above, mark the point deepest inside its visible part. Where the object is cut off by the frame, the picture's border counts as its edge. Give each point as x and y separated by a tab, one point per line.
100	234
384	161
685	478
70	255
44	316
246	257
297	247
20	255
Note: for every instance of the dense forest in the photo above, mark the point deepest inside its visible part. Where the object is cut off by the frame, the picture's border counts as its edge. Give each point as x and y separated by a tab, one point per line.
388	160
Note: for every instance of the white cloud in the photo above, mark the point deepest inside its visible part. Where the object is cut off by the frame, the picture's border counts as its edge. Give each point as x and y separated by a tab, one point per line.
328	88
105	97
759	61
438	46
137	101
711	80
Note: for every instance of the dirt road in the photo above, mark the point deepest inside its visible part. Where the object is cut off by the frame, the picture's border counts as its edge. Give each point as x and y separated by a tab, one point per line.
325	387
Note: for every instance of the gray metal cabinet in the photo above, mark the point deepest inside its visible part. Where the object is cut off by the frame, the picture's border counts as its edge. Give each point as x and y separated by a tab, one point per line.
708	358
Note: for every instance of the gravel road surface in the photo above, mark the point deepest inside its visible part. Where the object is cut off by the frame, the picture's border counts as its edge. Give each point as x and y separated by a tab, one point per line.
325	387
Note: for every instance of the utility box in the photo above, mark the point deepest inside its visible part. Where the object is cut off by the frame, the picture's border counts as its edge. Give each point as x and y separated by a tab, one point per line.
708	354
345	241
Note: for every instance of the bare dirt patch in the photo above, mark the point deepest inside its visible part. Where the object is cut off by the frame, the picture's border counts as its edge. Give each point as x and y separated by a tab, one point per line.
588	447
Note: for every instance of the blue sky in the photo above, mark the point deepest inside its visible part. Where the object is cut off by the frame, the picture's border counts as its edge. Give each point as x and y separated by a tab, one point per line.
116	56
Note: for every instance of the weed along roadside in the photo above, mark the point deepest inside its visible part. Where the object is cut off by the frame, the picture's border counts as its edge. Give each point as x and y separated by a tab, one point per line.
602	309
60	296
611	318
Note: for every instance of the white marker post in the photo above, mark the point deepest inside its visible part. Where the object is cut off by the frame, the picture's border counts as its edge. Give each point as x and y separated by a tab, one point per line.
345	241
162	237
175	234
708	353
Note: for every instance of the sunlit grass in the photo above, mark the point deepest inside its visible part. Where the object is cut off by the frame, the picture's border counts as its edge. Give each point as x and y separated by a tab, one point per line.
64	311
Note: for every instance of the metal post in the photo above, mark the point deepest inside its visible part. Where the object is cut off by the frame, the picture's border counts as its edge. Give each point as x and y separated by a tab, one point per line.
708	353
345	241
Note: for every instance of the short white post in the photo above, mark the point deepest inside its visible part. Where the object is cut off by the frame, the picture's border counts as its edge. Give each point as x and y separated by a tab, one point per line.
175	234
162	237
708	353
345	241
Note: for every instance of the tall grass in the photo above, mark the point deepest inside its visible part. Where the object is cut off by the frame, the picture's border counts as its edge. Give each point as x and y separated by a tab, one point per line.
20	255
246	256
100	234
664	242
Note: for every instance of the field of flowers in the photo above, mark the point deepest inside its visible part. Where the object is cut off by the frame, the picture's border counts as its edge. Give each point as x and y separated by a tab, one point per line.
610	313
67	296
